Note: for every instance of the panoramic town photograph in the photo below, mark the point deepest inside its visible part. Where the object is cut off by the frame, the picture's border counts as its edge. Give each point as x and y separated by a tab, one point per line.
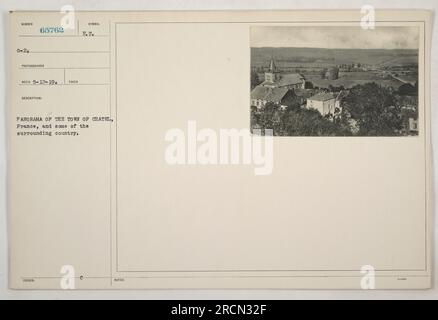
334	81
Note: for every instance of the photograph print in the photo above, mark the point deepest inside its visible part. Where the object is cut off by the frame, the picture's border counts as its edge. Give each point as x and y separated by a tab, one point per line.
334	81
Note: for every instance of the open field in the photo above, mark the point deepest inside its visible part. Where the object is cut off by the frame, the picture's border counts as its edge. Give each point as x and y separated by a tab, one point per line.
348	82
390	68
321	57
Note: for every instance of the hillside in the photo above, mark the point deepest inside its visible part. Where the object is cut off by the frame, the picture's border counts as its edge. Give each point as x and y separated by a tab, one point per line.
323	57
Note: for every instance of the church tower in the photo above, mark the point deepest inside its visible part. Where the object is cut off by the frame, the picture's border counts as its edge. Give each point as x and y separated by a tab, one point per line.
272	74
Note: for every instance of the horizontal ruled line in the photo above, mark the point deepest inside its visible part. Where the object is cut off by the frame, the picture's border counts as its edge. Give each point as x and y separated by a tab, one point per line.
67	68
60	36
230	276
50	52
64	84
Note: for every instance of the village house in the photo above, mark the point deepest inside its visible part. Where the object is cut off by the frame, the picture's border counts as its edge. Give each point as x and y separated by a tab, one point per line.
261	95
326	103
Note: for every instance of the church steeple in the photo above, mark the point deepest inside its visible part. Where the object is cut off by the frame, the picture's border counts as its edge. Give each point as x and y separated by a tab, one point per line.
272	74
272	67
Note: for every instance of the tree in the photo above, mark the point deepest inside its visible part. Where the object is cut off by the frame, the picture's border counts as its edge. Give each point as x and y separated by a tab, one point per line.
304	122
373	108
267	118
255	80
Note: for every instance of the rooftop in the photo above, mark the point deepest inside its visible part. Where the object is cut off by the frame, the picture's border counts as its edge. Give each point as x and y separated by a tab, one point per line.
305	93
290	78
322	96
286	79
268	94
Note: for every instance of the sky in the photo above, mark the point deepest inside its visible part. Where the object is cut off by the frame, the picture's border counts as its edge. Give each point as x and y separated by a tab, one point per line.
348	37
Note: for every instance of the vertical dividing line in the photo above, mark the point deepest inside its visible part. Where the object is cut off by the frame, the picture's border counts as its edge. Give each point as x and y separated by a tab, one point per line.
117	174
426	112
111	155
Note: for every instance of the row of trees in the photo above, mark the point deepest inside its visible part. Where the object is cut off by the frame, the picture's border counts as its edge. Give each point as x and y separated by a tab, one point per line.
296	122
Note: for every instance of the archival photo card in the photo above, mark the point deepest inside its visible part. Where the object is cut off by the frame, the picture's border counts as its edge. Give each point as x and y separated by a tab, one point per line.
180	150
